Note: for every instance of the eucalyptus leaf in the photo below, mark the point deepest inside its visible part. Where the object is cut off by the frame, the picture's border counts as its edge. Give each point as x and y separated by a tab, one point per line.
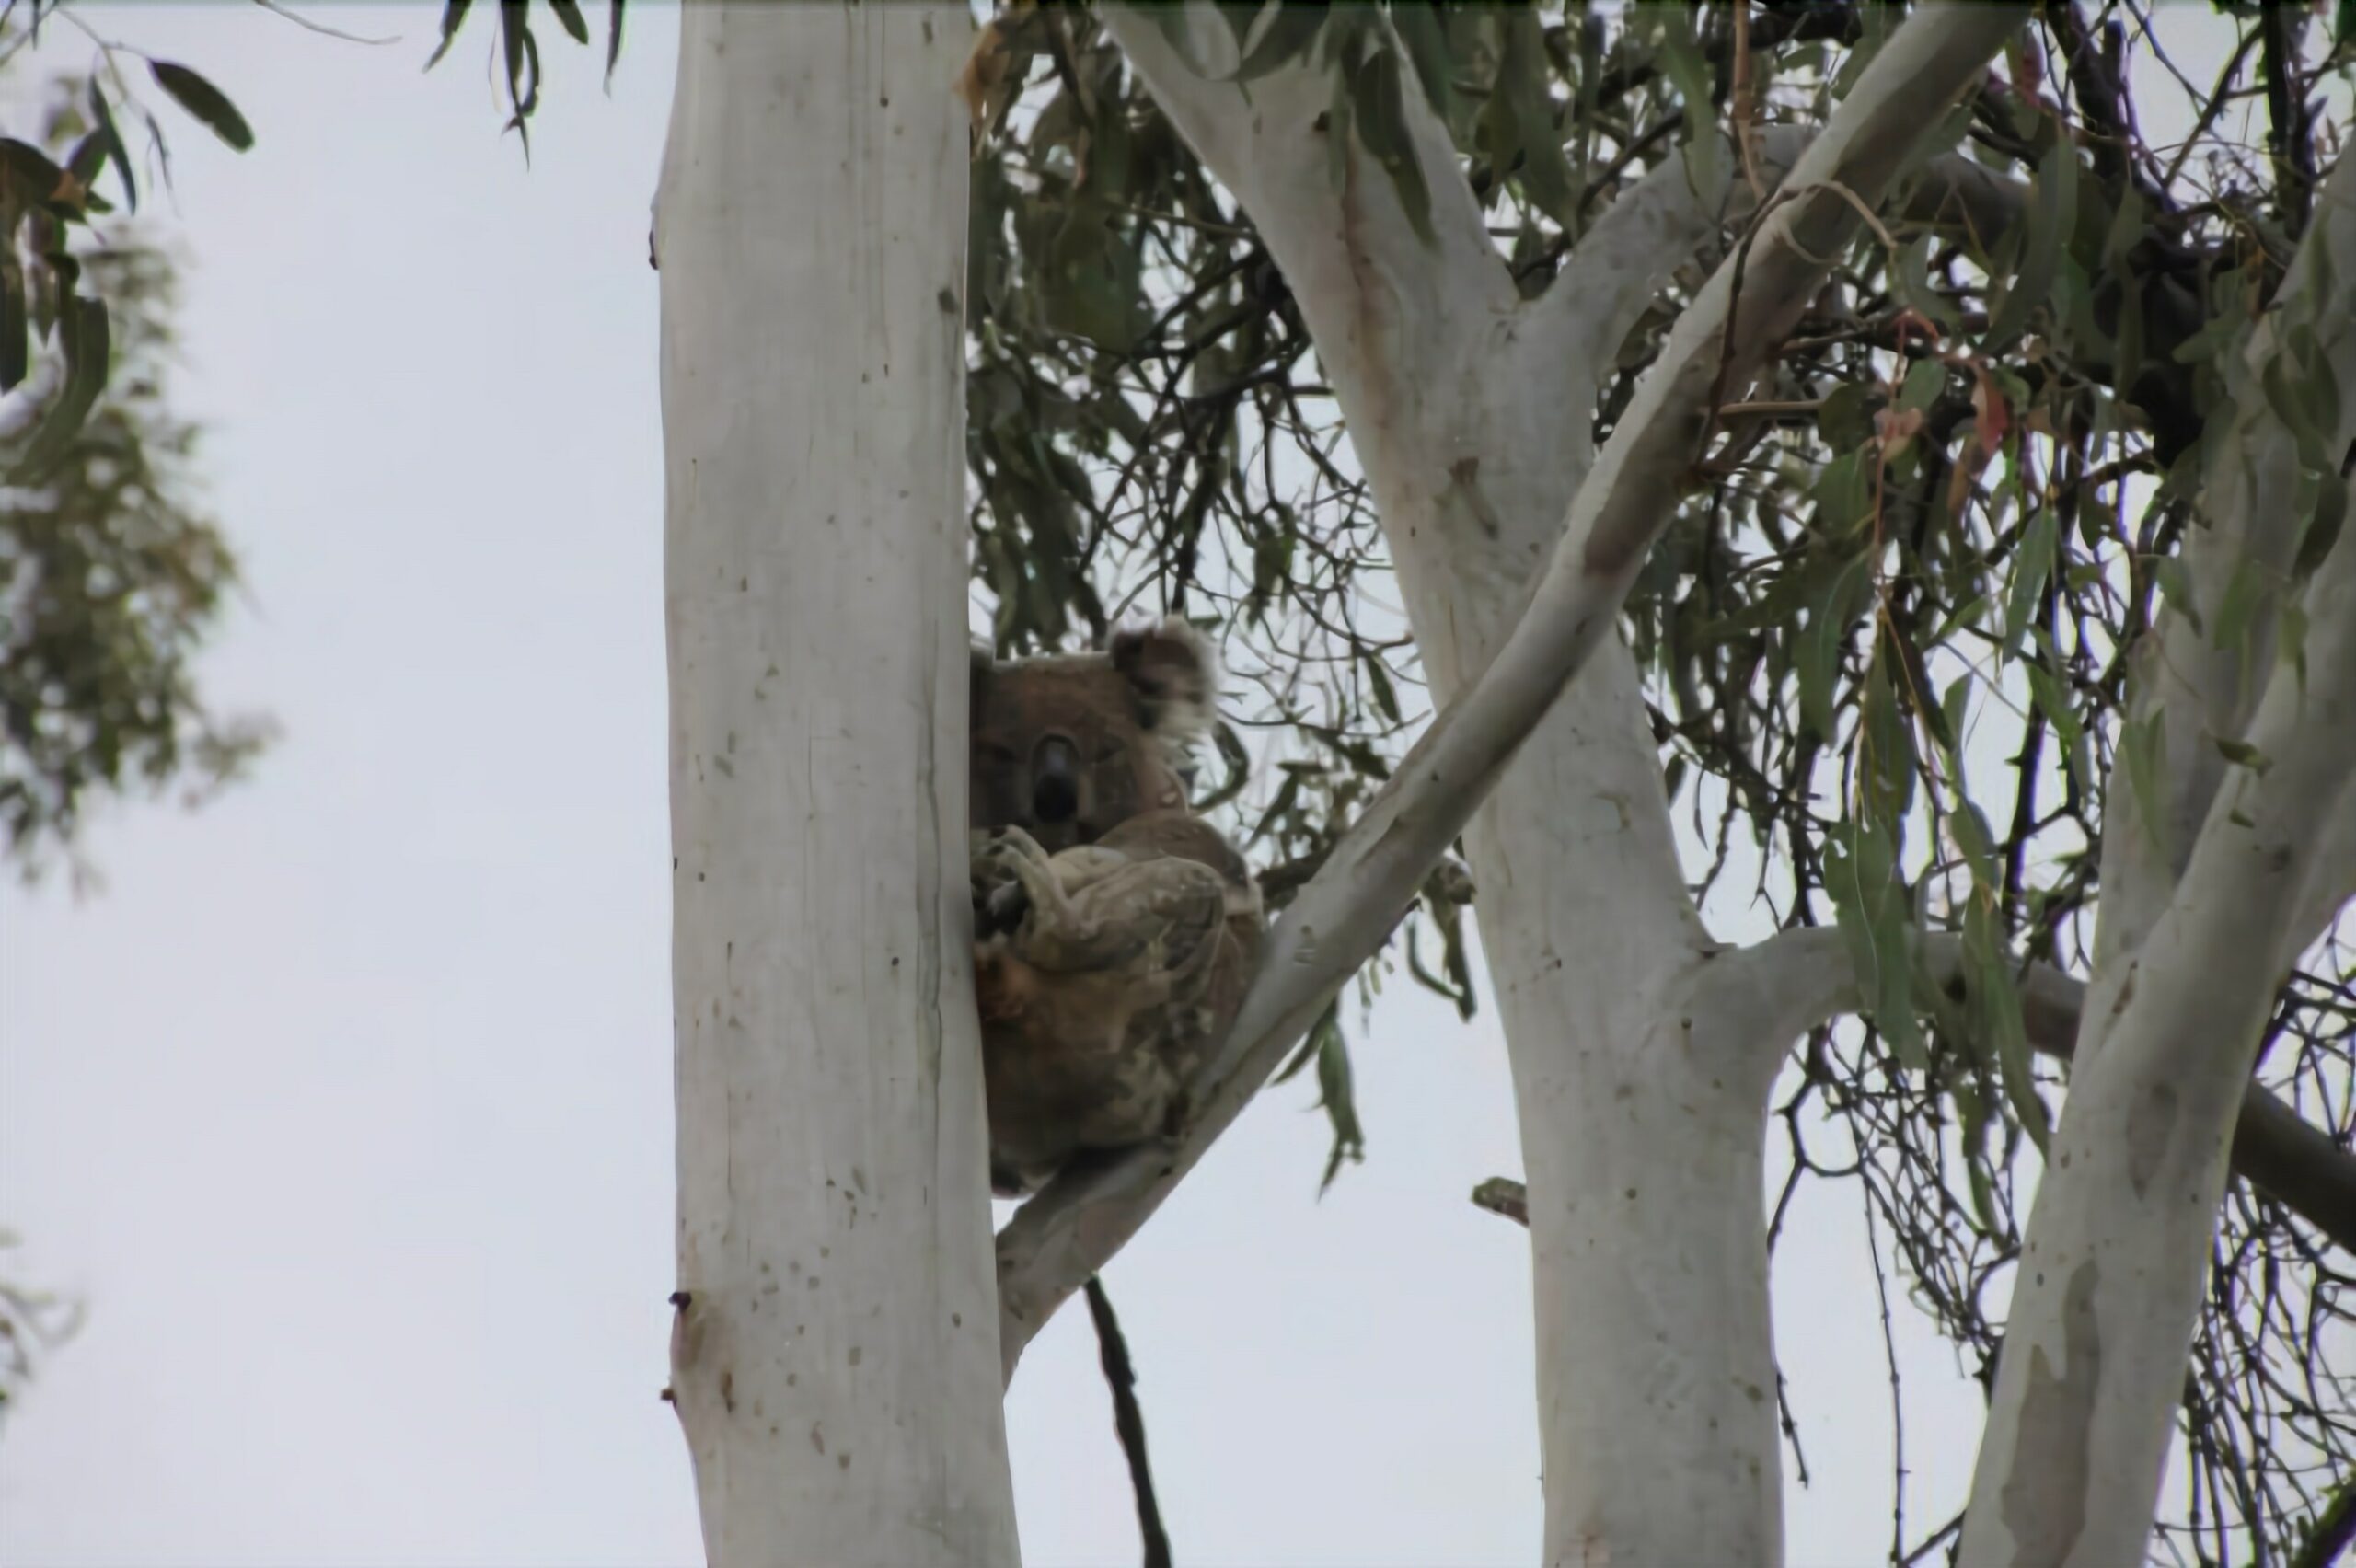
1973	841
2237	607
1926	379
1845	417
1825	640
37	176
1997	1001
203	101
454	17
2291	640
569	16
85	342
2031	564
2052	206
2322	528
1688	73
16	330
1860	877
116	152
1519	134
1417	22
87	161
1379	106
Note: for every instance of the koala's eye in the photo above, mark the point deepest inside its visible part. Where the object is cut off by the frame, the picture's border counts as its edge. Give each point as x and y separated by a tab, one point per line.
993	752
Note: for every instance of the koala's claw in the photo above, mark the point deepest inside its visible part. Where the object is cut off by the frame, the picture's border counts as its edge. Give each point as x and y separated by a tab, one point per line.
1003	907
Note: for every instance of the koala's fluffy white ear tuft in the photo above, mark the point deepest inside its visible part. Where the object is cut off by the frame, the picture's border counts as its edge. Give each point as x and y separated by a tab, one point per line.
1175	671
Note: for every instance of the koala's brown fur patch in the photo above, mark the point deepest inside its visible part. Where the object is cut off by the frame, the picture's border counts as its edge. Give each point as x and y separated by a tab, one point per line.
1069	746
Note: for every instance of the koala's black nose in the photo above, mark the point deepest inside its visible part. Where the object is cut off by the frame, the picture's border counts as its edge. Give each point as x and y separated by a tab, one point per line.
1055	800
1055	780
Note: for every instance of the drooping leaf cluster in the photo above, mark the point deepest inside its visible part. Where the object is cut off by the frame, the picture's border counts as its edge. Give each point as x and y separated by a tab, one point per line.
110	576
46	200
33	1323
519	48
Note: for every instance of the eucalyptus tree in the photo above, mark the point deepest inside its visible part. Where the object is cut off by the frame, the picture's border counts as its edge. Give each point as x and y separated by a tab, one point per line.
1873	620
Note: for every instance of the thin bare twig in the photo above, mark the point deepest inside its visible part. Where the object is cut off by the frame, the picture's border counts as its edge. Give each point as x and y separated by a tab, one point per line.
1128	1420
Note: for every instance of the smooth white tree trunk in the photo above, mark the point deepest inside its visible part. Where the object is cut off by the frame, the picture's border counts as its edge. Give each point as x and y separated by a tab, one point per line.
835	1355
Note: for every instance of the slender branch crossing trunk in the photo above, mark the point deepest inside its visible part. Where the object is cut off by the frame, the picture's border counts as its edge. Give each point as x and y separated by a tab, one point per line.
835	1354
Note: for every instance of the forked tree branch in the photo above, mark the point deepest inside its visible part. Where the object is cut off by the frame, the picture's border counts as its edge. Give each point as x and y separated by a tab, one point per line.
1064	1234
1804	977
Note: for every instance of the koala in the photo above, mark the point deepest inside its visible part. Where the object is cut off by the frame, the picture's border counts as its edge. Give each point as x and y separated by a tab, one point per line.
1114	928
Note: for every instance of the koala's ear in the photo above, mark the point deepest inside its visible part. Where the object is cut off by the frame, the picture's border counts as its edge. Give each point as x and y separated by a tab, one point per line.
1174	670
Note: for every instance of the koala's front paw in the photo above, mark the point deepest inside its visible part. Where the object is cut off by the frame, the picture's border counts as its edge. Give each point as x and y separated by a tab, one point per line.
1000	901
1013	876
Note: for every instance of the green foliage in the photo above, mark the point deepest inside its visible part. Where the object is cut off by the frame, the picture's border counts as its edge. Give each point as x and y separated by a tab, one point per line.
110	578
43	204
1330	1051
205	102
33	1323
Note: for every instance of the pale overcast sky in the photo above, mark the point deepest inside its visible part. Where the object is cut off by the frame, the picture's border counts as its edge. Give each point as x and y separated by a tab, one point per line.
347	1103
